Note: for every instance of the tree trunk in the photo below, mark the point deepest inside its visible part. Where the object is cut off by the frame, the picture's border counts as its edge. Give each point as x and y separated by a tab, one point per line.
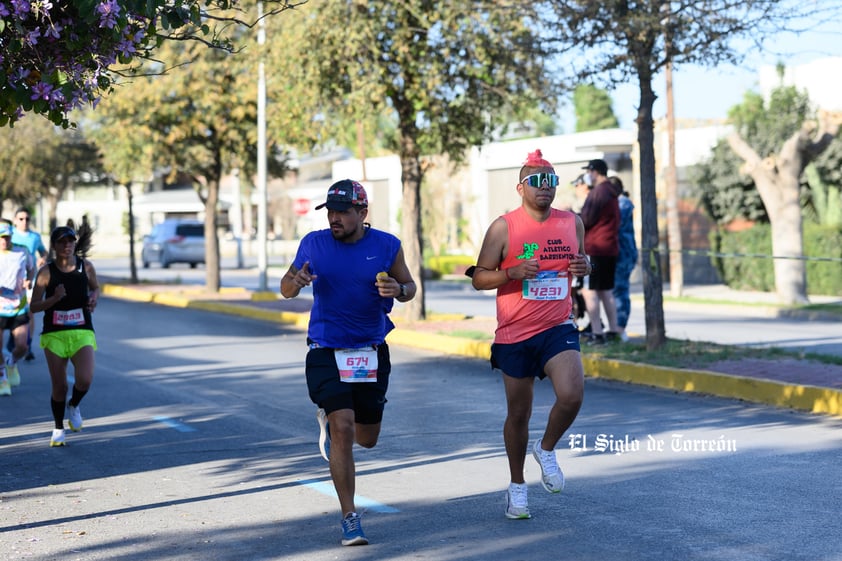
788	242
650	253
777	181
411	229
132	264
212	280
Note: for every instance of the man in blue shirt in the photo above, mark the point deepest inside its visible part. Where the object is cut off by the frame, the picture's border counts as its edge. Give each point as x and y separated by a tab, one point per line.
356	273
30	239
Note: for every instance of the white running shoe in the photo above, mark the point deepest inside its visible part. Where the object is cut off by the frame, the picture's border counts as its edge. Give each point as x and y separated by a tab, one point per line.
517	503
5	387
551	476
58	438
13	374
74	418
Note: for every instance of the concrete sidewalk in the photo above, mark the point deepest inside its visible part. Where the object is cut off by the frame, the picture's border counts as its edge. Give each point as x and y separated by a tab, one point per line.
793	383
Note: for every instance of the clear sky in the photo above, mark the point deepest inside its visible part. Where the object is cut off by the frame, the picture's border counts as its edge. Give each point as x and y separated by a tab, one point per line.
703	93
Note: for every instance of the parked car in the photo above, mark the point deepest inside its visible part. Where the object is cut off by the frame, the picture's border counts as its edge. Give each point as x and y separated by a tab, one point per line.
174	241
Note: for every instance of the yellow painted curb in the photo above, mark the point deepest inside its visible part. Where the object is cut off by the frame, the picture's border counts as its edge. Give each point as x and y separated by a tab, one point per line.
294	318
126	293
175	300
779	394
265	296
441	343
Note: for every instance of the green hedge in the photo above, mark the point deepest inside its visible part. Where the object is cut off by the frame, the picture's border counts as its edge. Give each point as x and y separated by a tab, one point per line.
448	264
757	273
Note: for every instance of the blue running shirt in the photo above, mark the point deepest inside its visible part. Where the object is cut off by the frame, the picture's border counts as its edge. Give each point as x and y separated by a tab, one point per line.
347	310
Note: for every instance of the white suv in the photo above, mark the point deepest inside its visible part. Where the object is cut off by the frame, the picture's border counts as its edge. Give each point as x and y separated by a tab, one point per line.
175	241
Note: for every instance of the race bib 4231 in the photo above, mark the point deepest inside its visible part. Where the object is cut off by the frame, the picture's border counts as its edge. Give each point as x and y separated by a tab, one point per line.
548	285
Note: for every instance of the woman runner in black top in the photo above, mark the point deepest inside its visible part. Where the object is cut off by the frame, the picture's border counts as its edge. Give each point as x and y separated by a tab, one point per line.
66	290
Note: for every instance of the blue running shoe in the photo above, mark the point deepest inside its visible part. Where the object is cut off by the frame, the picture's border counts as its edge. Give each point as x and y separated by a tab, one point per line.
352	530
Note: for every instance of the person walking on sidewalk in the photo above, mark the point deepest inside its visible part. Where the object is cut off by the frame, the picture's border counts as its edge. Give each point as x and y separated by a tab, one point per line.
601	217
15	274
626	258
530	256
356	273
67	290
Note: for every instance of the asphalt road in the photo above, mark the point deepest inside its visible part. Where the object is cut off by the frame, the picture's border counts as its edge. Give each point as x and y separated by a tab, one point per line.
200	444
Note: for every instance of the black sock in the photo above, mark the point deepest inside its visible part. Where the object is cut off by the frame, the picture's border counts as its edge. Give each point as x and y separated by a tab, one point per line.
58	412
76	397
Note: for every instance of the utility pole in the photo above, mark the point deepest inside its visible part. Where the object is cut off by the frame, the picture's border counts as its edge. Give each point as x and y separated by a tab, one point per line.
673	215
262	205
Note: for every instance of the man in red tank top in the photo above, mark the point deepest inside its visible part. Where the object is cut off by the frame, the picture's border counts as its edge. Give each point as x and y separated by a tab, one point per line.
530	255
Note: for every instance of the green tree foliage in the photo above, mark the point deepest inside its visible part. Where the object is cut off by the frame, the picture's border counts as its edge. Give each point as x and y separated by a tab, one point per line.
198	119
723	192
128	159
728	195
617	42
777	139
767	125
23	150
593	109
446	72
824	179
39	160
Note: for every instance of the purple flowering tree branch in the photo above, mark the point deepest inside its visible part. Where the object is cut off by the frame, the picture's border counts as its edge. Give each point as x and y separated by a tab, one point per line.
59	56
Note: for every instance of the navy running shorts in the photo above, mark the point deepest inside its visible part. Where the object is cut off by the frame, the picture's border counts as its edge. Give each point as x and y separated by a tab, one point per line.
528	358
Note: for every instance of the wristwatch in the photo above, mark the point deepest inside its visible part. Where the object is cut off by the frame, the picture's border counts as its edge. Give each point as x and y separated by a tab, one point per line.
403	290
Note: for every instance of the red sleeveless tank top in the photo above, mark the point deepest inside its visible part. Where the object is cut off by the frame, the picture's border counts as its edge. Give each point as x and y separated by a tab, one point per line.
528	307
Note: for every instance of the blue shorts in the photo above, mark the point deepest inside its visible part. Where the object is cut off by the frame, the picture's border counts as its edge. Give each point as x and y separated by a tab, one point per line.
367	399
528	358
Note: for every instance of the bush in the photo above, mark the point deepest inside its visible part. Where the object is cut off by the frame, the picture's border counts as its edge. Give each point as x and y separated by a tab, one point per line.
757	273
449	264
824	277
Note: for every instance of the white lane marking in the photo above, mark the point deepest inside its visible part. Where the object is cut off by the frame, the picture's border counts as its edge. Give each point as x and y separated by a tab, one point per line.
173	424
326	488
